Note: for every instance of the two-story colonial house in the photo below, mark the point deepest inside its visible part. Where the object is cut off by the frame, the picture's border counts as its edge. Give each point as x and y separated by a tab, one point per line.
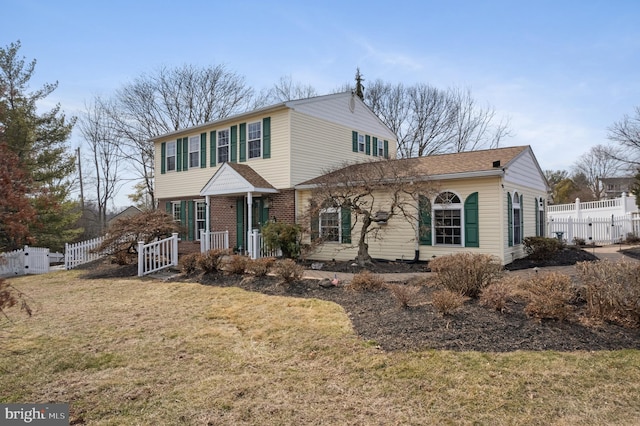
236	173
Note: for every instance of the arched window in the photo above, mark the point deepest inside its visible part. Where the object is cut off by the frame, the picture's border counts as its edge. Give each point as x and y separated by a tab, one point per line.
447	211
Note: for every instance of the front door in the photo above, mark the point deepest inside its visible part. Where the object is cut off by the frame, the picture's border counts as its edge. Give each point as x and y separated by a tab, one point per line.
259	217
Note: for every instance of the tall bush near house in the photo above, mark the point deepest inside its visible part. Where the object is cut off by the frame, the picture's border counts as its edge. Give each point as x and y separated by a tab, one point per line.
466	273
282	236
541	248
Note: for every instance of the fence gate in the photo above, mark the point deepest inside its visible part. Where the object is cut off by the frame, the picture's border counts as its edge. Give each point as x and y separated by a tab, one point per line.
36	260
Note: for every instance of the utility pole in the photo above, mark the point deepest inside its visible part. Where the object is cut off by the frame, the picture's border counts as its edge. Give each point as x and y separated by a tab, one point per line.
81	187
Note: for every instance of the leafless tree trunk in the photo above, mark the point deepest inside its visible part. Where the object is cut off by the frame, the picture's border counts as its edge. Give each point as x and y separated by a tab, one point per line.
599	162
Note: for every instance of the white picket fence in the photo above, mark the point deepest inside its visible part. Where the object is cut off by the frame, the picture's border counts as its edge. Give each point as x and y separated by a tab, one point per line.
158	255
30	260
82	252
257	247
604	230
213	240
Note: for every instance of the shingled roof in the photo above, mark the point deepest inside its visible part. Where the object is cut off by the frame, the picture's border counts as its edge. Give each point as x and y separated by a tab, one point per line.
462	164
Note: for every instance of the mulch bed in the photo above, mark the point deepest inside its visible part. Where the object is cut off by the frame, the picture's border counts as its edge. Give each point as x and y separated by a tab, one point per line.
377	317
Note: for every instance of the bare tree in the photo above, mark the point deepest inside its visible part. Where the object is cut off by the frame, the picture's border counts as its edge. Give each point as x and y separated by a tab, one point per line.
601	161
626	133
371	192
286	90
168	100
100	137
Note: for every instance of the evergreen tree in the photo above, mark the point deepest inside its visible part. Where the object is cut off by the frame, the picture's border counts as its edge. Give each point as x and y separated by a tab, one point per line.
40	143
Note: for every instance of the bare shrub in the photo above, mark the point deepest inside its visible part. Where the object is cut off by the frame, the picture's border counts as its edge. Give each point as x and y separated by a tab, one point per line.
542	248
366	281
466	273
188	263
447	302
497	295
288	270
212	260
260	267
612	290
403	294
548	296
237	264
10	296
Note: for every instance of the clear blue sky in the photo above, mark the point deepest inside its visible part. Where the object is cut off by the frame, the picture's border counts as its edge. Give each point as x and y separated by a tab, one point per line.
562	71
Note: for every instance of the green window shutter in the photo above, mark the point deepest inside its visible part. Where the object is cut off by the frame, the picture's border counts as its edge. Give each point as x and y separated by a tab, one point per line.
266	137
375	146
185	154
424	221
191	219
234	144
163	158
536	216
240	223
213	148
345	215
354	141
167	206
471	222
367	145
386	149
243	142
183	217
203	150
521	218
510	219
179	154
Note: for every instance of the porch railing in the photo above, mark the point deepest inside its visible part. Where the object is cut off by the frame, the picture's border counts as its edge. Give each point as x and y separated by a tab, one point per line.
257	247
213	240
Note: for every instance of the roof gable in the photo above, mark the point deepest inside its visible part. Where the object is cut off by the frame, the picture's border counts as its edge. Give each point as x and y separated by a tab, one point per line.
233	178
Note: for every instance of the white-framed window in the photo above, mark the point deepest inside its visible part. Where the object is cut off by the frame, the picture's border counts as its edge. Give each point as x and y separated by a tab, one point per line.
254	139
447	213
201	217
517	220
541	217
380	148
330	224
171	156
223	145
194	151
361	143
176	211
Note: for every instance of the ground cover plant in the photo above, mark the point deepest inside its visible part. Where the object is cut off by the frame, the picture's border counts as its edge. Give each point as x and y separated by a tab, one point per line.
143	351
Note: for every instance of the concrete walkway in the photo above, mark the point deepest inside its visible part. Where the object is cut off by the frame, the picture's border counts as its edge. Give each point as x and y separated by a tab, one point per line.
611	252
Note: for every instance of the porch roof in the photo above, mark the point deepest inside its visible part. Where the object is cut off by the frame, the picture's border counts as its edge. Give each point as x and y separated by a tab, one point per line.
236	179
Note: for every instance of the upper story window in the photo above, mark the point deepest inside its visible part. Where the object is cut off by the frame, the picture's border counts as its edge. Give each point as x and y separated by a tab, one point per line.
223	145
361	143
447	212
194	151
171	156
254	139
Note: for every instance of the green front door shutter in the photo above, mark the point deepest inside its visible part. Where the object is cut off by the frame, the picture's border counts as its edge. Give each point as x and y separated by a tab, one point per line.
213	148
203	150
266	137
424	220
234	144
243	142
183	217
240	223
167	205
345	215
375	146
179	154
354	141
264	213
471	223
367	145
510	219
190	220
163	158
386	149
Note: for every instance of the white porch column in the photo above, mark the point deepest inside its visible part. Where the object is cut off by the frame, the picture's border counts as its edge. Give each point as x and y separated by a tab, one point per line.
249	221
207	226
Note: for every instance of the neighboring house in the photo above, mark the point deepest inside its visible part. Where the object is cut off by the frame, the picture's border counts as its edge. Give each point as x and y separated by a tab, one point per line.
236	173
481	201
128	212
615	186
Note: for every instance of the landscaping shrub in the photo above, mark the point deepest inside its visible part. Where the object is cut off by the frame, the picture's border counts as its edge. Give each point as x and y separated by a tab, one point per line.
632	238
548	296
403	294
447	302
260	267
541	248
497	295
283	236
466	273
288	270
212	260
188	263
237	264
366	281
612	290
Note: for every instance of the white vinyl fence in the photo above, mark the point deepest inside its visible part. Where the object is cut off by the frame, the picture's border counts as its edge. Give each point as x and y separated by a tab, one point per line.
606	230
213	240
82	252
157	255
257	247
30	260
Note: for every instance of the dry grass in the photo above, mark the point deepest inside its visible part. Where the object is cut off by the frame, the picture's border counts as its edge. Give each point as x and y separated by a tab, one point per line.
140	351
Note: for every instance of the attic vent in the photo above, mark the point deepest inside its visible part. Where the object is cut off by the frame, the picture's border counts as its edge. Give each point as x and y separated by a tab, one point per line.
496	163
